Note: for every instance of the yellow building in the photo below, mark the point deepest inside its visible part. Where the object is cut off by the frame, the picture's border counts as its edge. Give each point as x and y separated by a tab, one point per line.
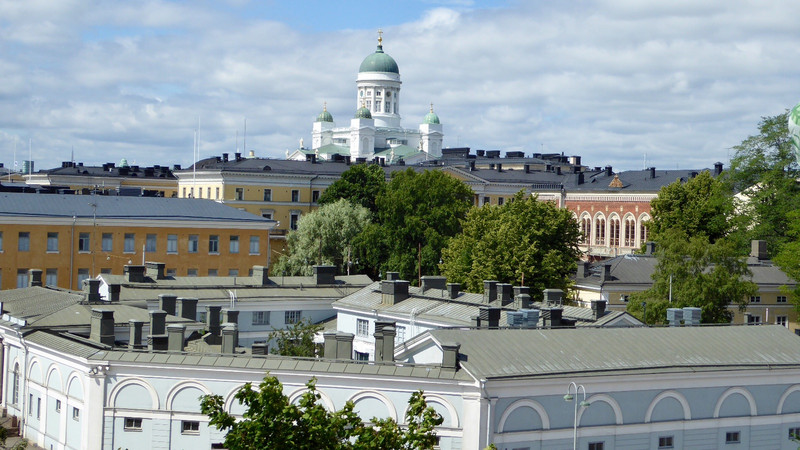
74	237
152	181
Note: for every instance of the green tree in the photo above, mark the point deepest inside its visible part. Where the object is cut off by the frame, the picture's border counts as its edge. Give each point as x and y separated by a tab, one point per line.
296	340
417	214
789	257
324	236
522	241
270	421
764	170
361	184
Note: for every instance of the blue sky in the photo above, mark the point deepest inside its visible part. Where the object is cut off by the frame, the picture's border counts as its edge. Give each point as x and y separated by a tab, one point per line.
619	82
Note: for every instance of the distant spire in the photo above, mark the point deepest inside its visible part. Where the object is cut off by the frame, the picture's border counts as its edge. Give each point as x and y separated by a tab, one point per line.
380	37
431	106
324	106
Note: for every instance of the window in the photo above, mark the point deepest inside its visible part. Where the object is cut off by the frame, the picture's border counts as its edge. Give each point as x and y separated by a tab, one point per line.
107	242
486	200
782	320
191	272
613	233
30	404
255	245
190	427
51	277
184	192
234	245
172	272
401	334
794	433
172	243
129	245
233	272
295	217
15	386
362	327
643	231
208	192
260	317
83	274
133	424
377	106
295	195
216	194
291	317
38	408
267	214
753	319
58	405
596	445
600	231
213	244
150	243
623	298
76	413
105	271
755	299
239	194
314	196
630	232
1	241
781	299
732	437
84	242
24	242
586	229
22	278
665	442
369	103
267	195
500	200
52	242
194	243
212	272
361	356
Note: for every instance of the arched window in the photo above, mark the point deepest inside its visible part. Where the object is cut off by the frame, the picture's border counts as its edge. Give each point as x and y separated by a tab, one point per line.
643	231
15	386
586	229
600	231
613	232
630	232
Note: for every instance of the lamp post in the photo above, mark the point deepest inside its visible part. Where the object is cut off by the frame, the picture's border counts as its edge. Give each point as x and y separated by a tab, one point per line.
574	398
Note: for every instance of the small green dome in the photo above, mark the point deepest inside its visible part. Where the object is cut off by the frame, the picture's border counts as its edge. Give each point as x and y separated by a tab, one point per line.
379	62
431	117
363	113
123	163
324	116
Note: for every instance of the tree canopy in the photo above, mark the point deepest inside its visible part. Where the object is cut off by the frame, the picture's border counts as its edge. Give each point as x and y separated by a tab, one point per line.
416	215
271	421
361	184
296	340
523	241
324	236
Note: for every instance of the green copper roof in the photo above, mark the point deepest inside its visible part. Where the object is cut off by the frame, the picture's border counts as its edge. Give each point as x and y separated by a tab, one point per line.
363	113
379	62
324	116
431	117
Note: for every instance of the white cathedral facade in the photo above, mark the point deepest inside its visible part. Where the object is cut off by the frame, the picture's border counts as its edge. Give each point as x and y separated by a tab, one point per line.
375	129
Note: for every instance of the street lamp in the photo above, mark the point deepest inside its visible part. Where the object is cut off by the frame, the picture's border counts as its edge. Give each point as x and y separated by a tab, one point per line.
570	398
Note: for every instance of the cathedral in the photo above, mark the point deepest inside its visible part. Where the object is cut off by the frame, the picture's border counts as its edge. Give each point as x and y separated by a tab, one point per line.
375	130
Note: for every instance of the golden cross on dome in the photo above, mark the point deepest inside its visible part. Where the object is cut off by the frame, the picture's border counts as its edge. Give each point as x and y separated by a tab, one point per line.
431	106
380	36
324	106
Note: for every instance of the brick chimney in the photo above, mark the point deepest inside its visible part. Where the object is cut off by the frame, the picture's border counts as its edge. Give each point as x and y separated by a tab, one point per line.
489	291
394	291
187	308
154	270
175	333
134	274
166	302
324	275
453	290
91	289
102	326
432	282
135	333
598	309
261	275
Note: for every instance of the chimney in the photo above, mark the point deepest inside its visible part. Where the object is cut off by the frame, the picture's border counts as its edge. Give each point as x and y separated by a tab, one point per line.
758	249
330	344
175	334
261	275
691	316
450	355
135	333
389	333
431	282
652	173
102	326
472	166
91	287
489	316
158	342
394	291
717	169
579	178
212	319
166	302
34	277
521	290
674	316
531	318
523	301
378	335
504	293
650	248
224	157
499	167
515	318
187	308
238	156
583	269
155	270
527	168
551	316
489	291
553	296
158	320
344	345
134	274
230	316
259	348
113	292
598	309
324	275
605	275
453	290
230	337
390	276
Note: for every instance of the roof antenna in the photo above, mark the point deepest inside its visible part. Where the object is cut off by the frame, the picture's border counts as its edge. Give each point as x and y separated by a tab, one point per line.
244	144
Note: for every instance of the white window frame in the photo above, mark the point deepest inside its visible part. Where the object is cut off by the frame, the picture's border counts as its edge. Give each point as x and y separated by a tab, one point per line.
362	327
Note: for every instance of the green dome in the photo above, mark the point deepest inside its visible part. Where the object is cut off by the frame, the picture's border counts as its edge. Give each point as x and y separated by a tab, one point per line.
363	113
324	116
431	117
379	62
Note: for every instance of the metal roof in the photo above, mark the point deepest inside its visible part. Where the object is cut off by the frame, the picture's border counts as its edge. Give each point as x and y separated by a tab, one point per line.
542	352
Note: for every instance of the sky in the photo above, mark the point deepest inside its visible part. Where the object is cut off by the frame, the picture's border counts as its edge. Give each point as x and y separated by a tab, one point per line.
626	83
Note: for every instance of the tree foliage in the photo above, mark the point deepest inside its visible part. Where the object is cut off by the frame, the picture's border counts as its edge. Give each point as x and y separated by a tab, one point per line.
296	340
361	184
789	256
270	421
324	236
523	240
416	215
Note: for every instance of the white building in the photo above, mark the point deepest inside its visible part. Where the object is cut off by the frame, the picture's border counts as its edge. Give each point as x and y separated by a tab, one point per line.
375	129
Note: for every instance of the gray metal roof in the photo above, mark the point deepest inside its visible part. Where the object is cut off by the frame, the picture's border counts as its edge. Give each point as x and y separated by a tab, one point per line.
32	302
116	207
538	352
